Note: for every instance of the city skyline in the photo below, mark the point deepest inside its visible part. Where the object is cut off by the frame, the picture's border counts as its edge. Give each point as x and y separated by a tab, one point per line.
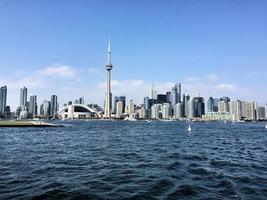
179	42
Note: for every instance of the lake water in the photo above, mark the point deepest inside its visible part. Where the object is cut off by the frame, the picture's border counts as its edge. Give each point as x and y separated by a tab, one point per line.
134	160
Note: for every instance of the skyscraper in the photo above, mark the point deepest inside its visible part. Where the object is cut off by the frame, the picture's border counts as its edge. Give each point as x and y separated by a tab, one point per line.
153	93
3	97
108	91
54	106
117	99
81	100
210	105
33	105
176	94
23	96
235	110
119	109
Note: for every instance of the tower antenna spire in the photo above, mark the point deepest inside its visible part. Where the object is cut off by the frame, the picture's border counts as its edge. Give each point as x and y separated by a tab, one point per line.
109	50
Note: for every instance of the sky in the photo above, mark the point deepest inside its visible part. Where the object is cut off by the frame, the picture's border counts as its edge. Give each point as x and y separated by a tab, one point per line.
213	48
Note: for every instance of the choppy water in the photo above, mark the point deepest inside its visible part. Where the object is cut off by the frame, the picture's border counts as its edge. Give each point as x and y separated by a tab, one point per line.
134	160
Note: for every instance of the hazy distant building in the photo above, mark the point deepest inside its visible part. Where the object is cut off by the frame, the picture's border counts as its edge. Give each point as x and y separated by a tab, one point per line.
141	113
216	104
3	100
54	106
156	111
81	100
186	98
169	97
153	93
191	109
46	108
199	106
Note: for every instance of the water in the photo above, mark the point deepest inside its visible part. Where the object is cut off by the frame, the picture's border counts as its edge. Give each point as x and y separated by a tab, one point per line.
134	160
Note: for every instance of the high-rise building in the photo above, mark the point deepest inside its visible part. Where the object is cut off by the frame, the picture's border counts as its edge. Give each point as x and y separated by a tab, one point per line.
156	111
23	96
186	98
109	67
54	106
210	105
223	106
191	108
235	110
261	113
130	107
216	104
178	111
33	106
46	108
119	109
161	98
3	100
199	106
117	99
166	111
169	97
153	93
176	94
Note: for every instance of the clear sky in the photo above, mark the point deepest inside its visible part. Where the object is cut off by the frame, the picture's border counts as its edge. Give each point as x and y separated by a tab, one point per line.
213	47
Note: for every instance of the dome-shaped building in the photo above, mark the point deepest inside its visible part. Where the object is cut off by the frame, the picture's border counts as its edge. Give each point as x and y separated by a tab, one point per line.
77	111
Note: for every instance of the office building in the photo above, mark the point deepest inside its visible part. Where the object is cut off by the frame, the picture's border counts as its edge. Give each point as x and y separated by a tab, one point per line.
3	100
199	106
131	107
223	106
178	111
166	111
117	99
54	106
33	106
235	110
161	98
176	94
119	109
23	96
81	100
210	105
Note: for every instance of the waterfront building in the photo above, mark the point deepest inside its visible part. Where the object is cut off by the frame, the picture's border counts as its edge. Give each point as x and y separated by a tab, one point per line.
117	99
216	104
217	116
178	111
119	109
235	110
210	105
176	94
156	111
77	111
186	98
199	106
130	108
109	66
46	108
7	112
3	100
146	103
191	109
54	106
23	96
166	111
249	111
69	103
223	106
225	99
33	106
141	113
261	113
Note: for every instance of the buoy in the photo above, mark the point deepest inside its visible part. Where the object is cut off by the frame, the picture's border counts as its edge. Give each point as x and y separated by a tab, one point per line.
189	129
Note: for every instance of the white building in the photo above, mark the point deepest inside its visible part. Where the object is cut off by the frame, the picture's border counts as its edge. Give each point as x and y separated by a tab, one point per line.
166	109
235	110
130	108
77	111
156	111
223	106
178	111
119	109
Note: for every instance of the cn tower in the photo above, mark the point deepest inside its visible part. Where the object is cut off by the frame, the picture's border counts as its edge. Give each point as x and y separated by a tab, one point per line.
108	91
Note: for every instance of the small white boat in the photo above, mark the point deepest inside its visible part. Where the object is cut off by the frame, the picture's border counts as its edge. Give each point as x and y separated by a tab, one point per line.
266	126
130	119
189	129
148	121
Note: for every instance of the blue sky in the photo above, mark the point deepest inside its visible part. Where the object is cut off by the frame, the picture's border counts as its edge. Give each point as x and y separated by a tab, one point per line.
59	47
